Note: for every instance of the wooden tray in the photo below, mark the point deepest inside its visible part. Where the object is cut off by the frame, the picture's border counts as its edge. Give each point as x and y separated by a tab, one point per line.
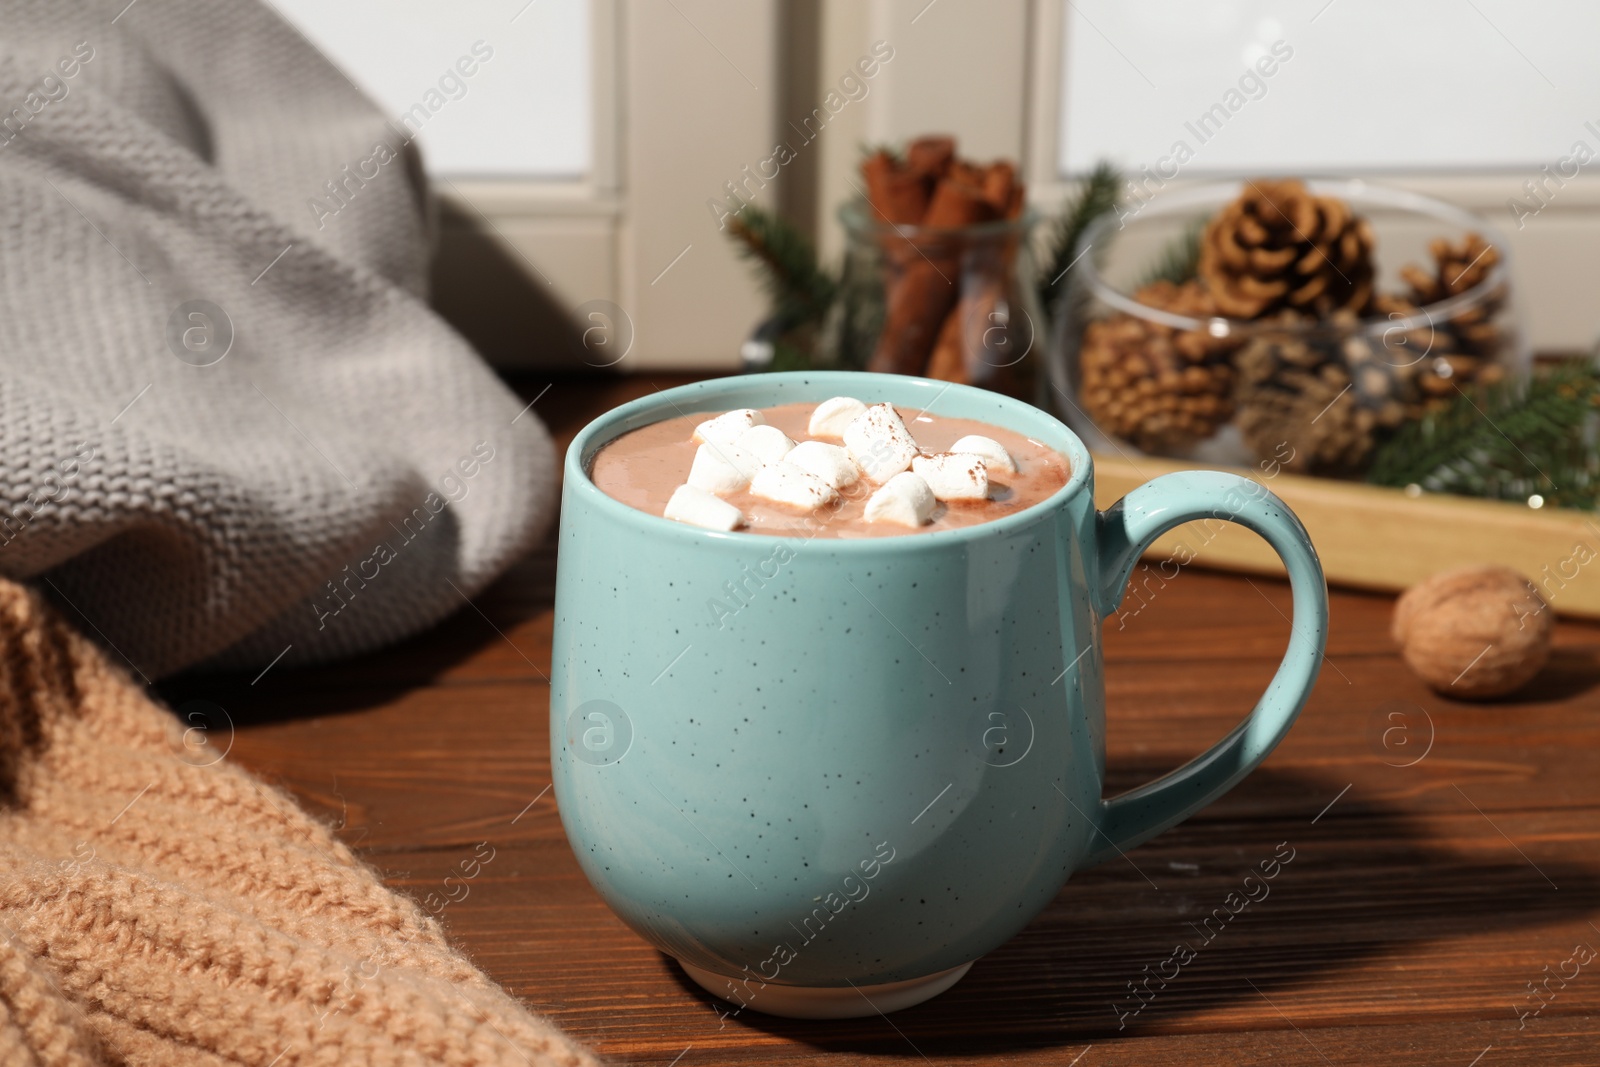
1375	538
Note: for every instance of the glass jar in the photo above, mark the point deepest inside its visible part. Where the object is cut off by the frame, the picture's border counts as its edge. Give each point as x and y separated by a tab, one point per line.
1138	363
955	304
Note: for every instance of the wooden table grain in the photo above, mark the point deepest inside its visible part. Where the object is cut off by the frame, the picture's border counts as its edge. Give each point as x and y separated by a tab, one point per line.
1440	899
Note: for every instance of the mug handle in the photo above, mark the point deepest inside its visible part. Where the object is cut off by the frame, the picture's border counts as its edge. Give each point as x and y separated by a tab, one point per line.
1124	531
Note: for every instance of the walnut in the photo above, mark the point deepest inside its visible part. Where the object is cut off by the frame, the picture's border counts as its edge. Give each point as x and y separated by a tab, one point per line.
1475	632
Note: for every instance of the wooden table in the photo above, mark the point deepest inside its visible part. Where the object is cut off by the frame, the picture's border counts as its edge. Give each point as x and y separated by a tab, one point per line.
1445	855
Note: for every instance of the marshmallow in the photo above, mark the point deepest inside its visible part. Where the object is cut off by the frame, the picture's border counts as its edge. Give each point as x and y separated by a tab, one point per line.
699	508
767	443
994	453
879	442
829	462
726	428
905	499
832	416
722	469
954	475
788	484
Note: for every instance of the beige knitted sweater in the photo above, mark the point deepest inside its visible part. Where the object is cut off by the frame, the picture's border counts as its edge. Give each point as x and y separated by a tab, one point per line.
158	912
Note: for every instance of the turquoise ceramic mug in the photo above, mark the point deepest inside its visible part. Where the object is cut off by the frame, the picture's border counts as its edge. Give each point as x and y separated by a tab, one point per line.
826	775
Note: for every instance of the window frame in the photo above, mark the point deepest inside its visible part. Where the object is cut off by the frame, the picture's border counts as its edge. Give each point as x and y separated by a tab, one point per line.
612	235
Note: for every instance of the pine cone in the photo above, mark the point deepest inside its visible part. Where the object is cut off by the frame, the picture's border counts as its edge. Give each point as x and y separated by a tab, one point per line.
1317	404
1432	358
1458	268
1159	388
1279	247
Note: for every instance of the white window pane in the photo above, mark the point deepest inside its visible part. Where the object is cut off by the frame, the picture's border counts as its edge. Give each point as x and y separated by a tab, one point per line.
526	111
1371	85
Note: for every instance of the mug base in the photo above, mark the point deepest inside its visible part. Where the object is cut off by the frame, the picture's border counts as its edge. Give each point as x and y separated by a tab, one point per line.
833	1002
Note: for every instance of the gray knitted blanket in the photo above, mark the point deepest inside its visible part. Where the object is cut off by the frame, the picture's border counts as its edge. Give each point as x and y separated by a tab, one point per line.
230	427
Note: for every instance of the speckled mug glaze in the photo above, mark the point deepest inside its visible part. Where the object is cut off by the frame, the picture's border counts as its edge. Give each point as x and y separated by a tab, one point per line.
889	758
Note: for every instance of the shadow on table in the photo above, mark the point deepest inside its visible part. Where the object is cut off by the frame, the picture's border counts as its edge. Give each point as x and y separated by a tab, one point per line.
1364	881
1571	672
523	592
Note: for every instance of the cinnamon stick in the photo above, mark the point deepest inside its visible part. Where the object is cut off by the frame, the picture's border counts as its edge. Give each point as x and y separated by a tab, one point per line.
930	157
918	299
896	195
947	363
921	297
957	203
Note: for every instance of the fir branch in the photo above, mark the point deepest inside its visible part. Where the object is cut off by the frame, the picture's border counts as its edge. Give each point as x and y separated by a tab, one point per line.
1096	195
1180	259
800	290
1505	442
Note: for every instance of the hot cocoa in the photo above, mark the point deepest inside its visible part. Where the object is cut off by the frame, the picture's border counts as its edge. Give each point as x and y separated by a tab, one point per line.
842	468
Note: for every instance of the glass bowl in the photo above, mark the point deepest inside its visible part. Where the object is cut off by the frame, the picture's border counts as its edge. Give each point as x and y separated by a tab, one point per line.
1139	365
